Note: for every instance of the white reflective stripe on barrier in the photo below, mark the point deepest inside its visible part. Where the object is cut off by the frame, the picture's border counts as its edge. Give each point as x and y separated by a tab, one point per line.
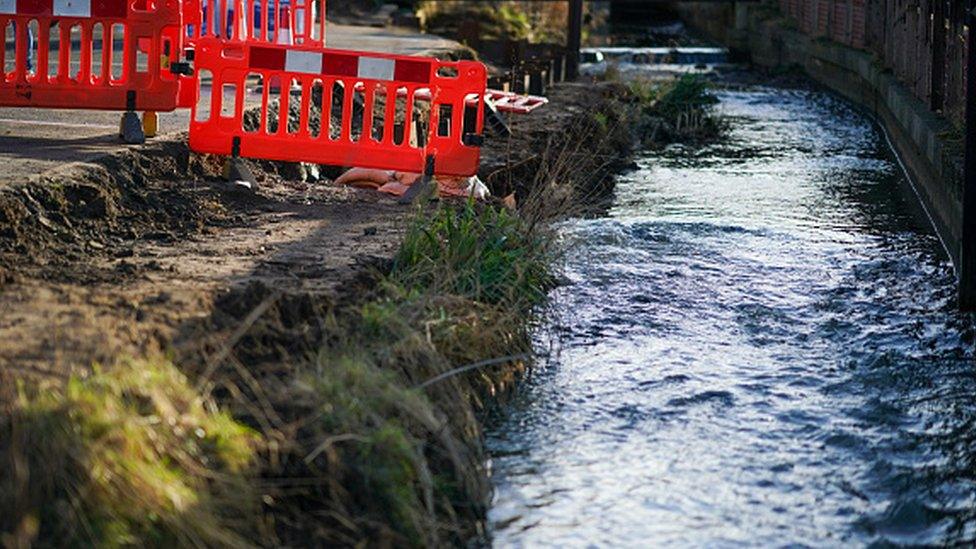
376	68
305	62
72	8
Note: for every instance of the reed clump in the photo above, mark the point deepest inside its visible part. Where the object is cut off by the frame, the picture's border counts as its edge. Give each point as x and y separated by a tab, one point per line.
683	108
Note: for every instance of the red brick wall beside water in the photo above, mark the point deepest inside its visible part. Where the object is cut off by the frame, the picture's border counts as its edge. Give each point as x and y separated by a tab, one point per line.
900	34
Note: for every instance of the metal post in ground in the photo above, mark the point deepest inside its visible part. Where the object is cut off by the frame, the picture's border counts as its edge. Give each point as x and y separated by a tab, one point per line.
559	69
537	79
967	252
235	170
422	187
574	39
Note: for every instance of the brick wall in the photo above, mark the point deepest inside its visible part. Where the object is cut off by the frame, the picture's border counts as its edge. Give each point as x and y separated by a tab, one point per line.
902	35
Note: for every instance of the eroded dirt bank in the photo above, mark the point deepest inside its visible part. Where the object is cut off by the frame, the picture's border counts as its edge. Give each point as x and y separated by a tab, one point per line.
146	252
116	256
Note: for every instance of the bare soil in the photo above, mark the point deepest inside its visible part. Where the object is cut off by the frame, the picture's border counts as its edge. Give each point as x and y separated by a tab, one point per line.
147	251
125	255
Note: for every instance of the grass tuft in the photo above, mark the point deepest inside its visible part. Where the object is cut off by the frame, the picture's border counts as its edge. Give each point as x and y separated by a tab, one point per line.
128	455
683	96
484	254
683	108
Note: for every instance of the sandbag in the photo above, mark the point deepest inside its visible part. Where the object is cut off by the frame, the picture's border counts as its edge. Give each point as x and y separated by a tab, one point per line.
365	178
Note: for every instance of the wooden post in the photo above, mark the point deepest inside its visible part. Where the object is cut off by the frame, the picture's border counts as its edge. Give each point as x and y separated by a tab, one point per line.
937	94
574	39
967	252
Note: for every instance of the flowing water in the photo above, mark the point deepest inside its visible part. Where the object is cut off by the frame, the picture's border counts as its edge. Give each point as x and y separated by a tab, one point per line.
758	346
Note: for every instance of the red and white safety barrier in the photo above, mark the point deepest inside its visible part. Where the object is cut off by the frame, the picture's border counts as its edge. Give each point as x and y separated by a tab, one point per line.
37	68
102	9
342	65
502	100
515	103
365	134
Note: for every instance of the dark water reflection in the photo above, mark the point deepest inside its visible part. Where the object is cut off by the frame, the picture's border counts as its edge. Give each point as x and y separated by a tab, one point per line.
758	347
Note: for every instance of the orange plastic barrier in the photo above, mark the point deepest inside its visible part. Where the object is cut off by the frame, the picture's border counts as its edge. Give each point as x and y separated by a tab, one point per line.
364	130
516	103
504	101
283	22
270	21
91	54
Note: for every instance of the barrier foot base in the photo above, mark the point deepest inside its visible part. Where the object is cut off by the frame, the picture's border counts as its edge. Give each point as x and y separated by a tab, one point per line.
150	123
236	171
423	186
130	129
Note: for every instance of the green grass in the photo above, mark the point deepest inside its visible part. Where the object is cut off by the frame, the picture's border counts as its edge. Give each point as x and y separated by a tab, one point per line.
357	445
682	107
385	457
689	93
488	255
127	456
498	20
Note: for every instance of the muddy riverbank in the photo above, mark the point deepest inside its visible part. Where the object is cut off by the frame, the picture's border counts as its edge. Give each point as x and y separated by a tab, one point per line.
146	253
157	223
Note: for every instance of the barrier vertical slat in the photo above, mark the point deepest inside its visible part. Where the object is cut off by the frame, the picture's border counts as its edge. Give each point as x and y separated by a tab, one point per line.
345	133
128	59
284	106
19	56
107	49
367	133
43	52
408	127
63	57
152	66
390	116
43	45
265	99
434	120
84	75
253	18
221	22
305	108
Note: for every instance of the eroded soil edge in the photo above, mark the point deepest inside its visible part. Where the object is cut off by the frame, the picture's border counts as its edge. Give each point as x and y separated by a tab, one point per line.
146	252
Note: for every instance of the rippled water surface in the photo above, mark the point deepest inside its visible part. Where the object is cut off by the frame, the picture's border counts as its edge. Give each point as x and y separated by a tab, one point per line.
758	346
